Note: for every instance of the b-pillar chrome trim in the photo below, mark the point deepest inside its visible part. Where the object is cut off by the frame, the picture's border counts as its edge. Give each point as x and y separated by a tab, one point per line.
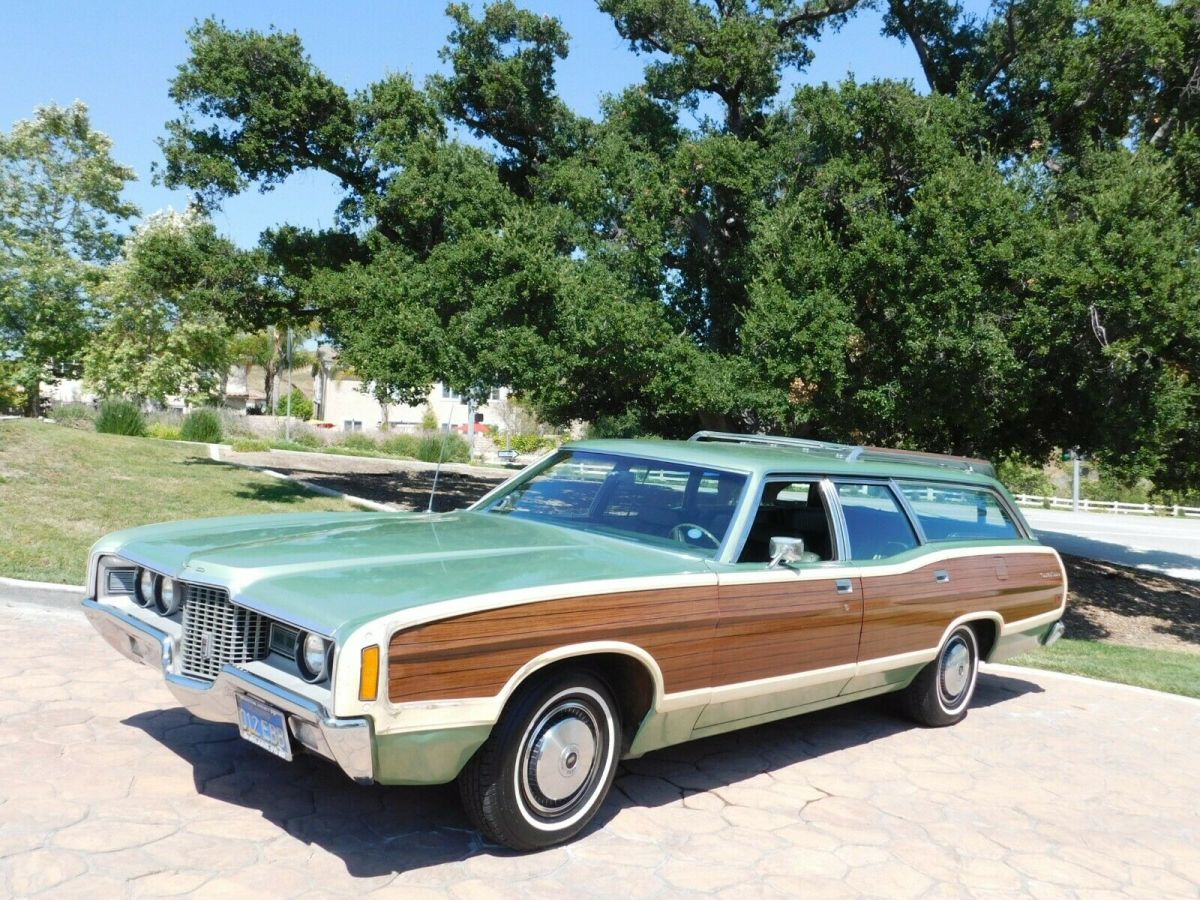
347	742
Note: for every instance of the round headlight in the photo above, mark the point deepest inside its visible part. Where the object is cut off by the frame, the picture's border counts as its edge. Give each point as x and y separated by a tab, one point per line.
144	595
168	600
314	657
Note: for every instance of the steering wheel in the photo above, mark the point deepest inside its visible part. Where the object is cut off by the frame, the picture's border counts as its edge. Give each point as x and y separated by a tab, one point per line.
684	532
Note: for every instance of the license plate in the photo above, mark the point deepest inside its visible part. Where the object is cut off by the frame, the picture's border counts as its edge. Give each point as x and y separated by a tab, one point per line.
263	725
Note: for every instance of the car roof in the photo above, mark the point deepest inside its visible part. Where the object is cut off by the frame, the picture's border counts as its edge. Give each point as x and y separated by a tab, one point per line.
769	459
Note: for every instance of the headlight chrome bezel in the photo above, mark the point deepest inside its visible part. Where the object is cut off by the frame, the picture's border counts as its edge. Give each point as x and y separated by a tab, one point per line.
168	599
145	589
158	593
307	659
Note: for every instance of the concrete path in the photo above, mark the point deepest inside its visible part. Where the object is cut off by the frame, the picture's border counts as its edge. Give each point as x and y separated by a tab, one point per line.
1155	543
1052	787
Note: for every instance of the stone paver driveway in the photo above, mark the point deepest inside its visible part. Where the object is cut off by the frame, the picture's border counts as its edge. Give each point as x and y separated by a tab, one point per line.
1050	788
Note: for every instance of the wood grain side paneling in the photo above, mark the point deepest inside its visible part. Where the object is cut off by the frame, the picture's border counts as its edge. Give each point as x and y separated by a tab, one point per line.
911	611
781	628
475	654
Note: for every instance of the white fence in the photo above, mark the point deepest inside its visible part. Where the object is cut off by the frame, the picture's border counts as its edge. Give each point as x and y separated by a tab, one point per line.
1109	506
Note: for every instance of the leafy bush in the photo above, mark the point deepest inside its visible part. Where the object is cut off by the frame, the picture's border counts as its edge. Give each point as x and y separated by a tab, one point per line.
203	425
73	415
1022	477
1109	488
359	442
121	417
250	445
302	407
627	424
428	447
302	438
529	443
163	431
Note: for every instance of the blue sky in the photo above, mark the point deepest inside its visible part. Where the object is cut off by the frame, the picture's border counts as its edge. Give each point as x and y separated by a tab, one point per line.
118	57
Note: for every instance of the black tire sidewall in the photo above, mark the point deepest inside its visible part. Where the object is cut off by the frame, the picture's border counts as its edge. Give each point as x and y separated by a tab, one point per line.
958	708
508	817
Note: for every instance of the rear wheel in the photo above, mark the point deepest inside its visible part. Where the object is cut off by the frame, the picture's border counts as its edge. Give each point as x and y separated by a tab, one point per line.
548	764
942	691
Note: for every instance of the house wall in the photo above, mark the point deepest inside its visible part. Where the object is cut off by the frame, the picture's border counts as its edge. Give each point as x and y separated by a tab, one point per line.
345	400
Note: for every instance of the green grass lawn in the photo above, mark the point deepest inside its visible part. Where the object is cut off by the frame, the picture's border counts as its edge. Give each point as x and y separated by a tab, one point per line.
1161	670
62	488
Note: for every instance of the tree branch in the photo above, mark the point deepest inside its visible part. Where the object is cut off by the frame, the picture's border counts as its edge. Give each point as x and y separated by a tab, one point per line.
811	13
909	22
1006	58
1168	125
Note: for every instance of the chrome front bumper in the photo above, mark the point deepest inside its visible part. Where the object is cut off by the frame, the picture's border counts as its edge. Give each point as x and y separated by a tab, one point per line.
347	742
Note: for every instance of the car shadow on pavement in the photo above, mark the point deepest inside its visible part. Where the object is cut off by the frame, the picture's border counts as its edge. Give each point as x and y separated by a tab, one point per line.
378	830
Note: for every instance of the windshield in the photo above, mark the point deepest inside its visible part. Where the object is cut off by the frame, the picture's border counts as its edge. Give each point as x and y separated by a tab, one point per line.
647	500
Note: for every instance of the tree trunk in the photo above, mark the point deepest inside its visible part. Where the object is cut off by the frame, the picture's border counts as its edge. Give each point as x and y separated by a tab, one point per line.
33	398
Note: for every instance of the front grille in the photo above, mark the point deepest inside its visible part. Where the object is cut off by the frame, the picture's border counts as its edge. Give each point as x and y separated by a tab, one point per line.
216	632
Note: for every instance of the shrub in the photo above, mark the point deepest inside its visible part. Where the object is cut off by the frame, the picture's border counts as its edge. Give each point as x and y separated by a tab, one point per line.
622	425
359	442
302	407
428	420
250	445
428	447
302	438
529	443
203	425
74	415
121	417
1022	477
163	431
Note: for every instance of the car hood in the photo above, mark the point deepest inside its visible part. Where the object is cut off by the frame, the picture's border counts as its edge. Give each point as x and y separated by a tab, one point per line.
330	572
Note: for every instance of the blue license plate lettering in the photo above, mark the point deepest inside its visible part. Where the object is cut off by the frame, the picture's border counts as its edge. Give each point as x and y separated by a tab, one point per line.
263	726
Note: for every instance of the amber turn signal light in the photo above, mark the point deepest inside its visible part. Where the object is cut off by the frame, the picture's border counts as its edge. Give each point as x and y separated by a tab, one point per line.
368	678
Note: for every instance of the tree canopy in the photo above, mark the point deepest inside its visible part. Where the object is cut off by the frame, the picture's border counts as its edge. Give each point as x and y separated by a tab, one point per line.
1000	261
164	310
60	208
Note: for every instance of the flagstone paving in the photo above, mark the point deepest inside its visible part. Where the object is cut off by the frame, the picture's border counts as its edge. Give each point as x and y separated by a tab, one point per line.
1052	787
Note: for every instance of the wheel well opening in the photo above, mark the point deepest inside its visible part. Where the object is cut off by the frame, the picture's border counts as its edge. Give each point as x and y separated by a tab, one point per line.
631	684
985	636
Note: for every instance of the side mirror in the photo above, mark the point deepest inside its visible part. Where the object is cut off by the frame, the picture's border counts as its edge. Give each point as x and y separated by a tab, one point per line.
785	551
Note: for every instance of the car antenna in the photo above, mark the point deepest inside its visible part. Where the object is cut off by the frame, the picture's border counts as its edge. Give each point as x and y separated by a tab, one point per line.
441	454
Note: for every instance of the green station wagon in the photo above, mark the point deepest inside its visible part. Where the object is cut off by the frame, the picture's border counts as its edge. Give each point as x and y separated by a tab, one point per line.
614	598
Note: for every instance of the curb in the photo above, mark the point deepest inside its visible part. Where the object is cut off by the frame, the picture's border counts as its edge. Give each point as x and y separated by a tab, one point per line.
422	465
41	593
214	453
321	489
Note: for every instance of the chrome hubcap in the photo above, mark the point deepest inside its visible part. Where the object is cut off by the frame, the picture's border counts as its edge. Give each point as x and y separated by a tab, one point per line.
560	756
956	668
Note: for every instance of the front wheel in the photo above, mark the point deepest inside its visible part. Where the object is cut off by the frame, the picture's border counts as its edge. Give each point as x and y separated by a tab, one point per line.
942	691
548	764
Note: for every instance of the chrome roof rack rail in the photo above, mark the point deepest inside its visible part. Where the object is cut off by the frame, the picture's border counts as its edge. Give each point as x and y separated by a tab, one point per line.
825	448
852	452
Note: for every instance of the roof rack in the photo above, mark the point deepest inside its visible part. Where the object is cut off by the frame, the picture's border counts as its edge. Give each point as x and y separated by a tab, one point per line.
852	452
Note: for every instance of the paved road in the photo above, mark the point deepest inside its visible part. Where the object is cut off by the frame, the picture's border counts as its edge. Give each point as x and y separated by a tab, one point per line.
1170	546
1051	788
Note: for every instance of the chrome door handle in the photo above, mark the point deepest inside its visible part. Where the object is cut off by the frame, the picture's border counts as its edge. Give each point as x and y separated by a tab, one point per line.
941	576
844	586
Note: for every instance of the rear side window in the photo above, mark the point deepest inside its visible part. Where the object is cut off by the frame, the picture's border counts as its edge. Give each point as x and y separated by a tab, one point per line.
875	523
950	512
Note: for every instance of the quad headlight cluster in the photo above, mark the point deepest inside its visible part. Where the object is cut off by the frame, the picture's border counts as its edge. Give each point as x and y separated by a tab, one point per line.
157	592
